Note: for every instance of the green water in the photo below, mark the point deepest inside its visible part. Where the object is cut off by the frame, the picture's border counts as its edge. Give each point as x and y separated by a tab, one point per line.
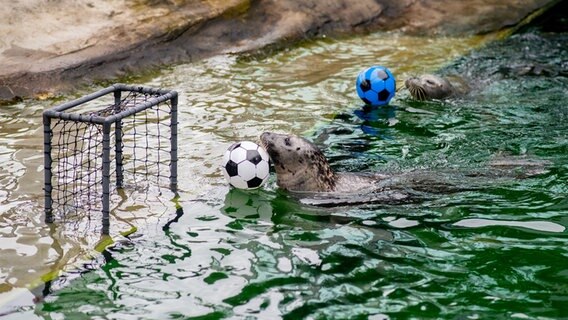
497	252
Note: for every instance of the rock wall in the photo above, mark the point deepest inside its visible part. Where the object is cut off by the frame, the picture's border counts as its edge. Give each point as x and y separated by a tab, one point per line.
51	47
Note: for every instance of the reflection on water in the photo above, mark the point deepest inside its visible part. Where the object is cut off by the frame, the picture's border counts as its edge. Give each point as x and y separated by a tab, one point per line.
544	226
228	253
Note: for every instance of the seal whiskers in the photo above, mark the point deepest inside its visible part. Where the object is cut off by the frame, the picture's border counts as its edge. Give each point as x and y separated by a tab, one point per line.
417	92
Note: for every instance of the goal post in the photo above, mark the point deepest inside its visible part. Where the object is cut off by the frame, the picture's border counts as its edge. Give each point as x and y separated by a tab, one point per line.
92	143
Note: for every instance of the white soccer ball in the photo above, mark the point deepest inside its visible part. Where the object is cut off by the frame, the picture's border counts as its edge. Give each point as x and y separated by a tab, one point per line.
246	165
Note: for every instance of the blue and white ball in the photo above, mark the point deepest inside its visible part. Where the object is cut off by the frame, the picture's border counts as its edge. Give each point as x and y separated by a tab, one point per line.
376	86
246	165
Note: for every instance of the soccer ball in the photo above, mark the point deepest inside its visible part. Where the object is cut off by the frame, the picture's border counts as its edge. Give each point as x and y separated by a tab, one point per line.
246	165
376	86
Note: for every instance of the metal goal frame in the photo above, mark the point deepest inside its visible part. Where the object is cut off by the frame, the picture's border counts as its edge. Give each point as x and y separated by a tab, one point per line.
109	118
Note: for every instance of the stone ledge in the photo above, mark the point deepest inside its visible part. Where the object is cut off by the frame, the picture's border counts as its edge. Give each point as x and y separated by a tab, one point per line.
82	41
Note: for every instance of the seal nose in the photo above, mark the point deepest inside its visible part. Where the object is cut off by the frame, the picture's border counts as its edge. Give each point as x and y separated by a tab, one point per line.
266	139
265	136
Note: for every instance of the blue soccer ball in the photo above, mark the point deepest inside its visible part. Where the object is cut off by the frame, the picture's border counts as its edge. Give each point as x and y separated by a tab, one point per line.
376	86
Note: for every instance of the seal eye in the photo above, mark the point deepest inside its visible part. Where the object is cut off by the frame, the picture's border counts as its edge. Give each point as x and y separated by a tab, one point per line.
430	82
287	142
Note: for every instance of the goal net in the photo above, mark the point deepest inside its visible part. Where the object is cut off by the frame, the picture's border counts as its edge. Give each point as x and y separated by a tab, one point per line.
119	137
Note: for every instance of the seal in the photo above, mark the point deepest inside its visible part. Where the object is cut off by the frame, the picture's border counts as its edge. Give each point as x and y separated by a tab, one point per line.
430	86
302	168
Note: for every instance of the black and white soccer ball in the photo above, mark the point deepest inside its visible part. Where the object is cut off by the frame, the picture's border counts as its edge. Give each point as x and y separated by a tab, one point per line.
246	165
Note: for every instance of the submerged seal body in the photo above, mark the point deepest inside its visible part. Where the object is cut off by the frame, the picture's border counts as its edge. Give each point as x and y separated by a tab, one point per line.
430	86
302	168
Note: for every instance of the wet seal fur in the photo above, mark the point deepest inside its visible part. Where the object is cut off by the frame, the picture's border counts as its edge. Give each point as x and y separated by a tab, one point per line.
302	169
301	166
430	86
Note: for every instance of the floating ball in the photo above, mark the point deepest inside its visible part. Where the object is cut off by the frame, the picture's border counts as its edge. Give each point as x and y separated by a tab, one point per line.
246	165
376	86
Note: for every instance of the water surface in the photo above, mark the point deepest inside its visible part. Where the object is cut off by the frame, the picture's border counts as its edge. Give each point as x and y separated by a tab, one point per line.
217	252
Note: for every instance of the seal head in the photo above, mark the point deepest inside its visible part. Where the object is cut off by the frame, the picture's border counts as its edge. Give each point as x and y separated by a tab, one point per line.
299	164
429	86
